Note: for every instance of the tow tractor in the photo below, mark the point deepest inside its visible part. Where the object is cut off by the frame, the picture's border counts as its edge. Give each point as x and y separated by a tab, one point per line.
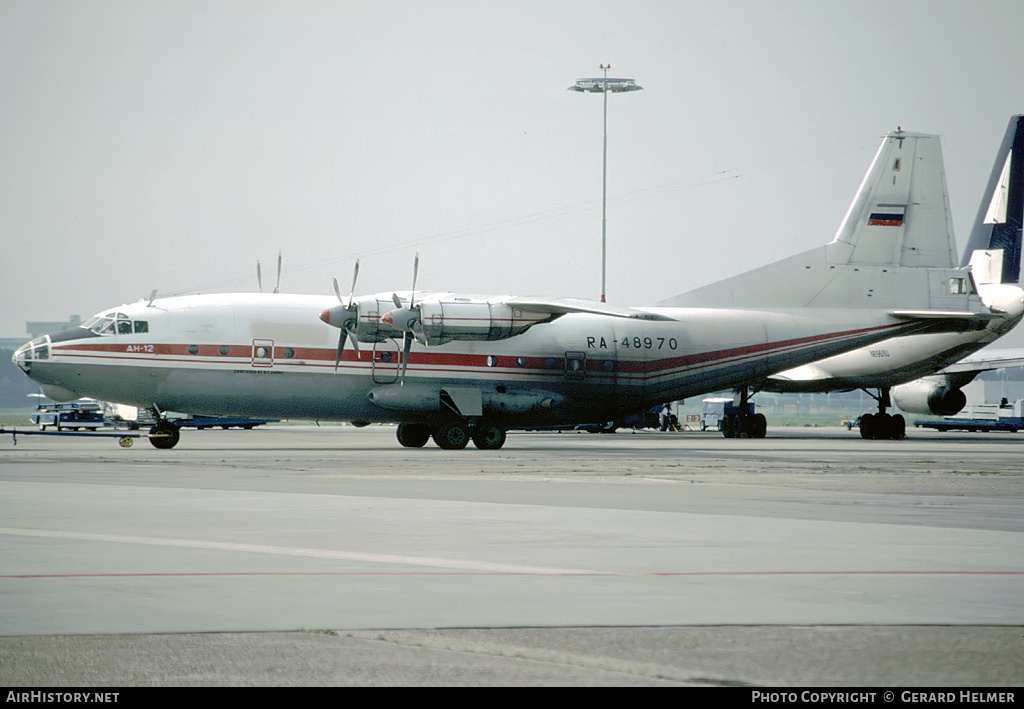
84	414
85	417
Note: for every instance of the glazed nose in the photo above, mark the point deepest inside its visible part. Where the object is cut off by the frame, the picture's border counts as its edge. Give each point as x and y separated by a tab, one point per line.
37	349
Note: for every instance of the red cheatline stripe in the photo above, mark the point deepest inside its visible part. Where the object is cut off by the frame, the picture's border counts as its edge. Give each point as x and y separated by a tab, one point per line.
655	367
510	573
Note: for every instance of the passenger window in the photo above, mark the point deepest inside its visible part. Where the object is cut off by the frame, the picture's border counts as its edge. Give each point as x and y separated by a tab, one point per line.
141	326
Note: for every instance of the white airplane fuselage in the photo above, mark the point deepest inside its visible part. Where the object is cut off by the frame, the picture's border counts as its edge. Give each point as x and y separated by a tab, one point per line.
901	360
270	356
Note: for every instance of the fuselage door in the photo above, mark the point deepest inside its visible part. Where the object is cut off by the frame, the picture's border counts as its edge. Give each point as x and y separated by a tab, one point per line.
263	353
386	361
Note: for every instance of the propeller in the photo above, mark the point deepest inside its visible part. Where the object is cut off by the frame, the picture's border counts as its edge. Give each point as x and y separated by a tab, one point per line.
407	319
351	321
259	274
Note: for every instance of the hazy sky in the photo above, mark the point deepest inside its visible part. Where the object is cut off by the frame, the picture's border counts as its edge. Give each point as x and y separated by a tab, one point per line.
170	144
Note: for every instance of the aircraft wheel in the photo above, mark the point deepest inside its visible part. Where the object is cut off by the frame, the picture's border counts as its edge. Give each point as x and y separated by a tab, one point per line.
899	427
867	426
413	435
760	427
451	436
165	435
488	436
883	427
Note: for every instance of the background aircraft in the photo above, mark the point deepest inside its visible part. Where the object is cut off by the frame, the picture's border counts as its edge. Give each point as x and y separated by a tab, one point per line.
908	223
457	367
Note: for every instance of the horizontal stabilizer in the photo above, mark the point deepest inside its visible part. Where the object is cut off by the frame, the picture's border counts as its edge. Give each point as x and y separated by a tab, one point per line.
944	315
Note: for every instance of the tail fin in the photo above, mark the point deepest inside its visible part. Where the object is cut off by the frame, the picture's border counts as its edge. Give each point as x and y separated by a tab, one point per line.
1001	214
899	217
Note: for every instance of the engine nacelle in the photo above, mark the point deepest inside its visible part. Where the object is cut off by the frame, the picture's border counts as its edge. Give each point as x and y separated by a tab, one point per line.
461	318
930	395
442	319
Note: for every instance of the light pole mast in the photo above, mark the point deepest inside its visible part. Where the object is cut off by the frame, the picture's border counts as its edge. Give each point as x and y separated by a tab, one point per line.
604	85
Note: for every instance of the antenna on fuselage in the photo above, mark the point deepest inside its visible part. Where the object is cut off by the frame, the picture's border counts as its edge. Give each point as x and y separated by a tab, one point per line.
152	297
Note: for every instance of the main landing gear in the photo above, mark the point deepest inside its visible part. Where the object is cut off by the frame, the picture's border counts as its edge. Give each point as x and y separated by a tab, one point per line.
740	422
453	435
883	426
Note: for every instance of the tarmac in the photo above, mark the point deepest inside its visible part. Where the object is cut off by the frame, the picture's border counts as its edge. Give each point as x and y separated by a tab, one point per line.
296	555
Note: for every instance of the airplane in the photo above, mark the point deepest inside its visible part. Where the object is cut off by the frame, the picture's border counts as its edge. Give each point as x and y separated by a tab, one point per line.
910	225
456	367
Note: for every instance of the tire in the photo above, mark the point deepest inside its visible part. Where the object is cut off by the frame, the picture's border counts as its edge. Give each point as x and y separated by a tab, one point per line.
899	427
488	436
168	437
760	426
413	435
883	427
867	426
451	436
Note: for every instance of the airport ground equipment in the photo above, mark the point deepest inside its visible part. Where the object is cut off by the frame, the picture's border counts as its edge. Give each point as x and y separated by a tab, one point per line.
982	417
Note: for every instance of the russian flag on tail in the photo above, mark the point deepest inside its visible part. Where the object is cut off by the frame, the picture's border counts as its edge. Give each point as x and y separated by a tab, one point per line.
887	215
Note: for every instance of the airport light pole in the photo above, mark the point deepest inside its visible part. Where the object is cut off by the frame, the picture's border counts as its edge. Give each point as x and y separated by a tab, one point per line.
604	85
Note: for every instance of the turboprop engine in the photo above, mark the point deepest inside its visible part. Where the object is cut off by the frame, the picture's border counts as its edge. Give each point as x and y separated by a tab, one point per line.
929	395
435	320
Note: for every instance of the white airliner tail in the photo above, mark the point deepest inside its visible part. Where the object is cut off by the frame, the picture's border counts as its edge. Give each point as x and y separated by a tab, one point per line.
994	248
899	219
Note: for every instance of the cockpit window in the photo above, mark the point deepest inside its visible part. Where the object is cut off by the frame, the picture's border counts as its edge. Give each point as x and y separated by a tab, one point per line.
115	323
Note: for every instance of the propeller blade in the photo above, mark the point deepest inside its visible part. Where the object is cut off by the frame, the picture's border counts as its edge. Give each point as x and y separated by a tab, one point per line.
347	330
417	330
352	293
405	356
396	300
415	275
350	328
341	348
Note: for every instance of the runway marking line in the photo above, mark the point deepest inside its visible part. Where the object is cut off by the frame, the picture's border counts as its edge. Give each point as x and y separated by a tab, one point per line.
463	567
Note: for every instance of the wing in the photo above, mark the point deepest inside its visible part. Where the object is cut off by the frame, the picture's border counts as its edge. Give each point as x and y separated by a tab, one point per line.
986	360
563	306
